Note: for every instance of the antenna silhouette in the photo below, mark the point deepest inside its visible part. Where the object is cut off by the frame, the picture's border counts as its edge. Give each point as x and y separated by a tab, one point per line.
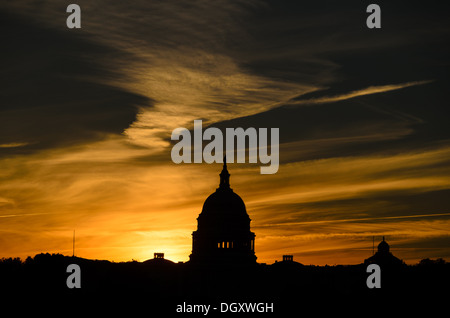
73	244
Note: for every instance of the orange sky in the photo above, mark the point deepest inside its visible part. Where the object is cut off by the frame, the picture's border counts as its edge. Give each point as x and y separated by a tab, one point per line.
122	212
86	118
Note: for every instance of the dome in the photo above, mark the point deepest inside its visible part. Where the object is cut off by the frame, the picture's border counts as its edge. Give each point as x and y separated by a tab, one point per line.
383	247
384	257
224	210
224	201
223	228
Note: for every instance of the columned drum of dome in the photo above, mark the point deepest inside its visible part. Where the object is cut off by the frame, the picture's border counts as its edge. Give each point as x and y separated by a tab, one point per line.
223	232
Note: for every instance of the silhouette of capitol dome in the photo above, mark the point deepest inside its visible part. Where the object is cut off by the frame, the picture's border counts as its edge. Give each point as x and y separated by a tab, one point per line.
383	247
223	232
224	201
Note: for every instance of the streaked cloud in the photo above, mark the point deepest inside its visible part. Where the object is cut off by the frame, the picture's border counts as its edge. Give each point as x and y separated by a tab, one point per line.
85	123
14	145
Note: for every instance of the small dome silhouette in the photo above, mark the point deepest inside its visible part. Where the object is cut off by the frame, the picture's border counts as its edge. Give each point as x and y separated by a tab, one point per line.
384	257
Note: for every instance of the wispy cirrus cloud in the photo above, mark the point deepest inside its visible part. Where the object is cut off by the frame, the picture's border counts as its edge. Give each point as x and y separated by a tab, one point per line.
86	117
14	144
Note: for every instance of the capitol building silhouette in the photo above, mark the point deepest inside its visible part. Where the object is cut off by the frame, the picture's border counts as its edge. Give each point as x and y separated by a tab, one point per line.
223	234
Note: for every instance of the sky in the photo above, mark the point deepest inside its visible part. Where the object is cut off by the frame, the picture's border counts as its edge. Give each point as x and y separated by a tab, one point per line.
86	117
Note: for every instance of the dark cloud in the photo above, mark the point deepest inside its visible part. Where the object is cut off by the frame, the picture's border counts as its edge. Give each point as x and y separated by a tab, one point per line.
411	46
53	88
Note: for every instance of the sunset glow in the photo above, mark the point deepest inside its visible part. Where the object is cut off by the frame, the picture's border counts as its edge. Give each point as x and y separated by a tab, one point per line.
86	121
